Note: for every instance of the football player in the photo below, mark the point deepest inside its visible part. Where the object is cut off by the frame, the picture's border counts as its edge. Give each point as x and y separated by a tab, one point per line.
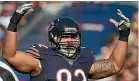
65	59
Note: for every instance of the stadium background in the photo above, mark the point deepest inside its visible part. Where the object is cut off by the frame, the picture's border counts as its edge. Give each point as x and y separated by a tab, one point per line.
98	33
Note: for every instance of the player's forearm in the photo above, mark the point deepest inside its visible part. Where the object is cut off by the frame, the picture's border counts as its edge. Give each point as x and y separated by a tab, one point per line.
10	44
118	55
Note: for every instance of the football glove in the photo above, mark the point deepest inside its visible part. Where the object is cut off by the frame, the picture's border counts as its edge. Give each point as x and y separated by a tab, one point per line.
20	11
123	26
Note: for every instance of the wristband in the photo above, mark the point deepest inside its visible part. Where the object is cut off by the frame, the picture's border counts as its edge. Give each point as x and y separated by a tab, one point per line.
14	21
122	38
12	27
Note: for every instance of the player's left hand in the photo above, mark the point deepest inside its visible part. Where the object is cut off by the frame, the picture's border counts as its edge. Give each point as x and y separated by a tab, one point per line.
123	26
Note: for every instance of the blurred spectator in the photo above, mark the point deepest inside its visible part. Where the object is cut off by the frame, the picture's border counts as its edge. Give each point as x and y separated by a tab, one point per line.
8	7
135	16
130	71
109	46
134	24
7	11
134	27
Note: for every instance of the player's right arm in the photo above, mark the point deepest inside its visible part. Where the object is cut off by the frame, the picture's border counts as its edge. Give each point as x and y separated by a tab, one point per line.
19	60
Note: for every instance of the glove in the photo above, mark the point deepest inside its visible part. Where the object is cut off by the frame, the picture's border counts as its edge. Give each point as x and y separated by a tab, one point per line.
18	15
123	26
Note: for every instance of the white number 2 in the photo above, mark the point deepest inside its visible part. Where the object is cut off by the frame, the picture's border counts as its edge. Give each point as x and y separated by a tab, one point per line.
69	75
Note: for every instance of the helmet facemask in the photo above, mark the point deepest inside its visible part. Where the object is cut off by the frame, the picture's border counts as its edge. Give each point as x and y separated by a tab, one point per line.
68	48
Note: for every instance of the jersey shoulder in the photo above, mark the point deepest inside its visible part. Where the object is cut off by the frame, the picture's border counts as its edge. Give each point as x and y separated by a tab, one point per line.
86	52
36	49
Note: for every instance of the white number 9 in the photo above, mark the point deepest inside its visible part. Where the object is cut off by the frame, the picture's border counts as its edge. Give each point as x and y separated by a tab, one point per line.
69	75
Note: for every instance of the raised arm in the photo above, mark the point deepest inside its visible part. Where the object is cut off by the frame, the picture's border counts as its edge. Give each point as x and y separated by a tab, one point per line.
112	65
19	60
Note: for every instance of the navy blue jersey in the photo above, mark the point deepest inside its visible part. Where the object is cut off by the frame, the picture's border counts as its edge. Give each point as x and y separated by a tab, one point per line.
57	68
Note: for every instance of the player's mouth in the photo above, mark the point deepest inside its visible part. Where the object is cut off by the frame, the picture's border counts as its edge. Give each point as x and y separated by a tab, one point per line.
69	47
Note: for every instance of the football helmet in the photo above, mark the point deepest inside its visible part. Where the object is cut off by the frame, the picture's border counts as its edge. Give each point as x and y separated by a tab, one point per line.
64	28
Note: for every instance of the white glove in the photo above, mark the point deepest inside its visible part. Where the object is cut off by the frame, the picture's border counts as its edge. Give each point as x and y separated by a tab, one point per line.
18	14
24	8
123	26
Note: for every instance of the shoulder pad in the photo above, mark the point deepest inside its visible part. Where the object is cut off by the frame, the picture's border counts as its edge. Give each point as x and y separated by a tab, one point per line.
34	50
86	49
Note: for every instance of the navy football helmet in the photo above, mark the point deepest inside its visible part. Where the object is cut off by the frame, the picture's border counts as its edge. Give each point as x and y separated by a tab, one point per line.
65	27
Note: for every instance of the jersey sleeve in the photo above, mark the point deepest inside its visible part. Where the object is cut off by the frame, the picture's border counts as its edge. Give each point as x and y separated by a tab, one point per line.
34	51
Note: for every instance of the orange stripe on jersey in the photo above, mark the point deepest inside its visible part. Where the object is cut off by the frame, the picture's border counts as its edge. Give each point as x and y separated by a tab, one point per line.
34	49
32	52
